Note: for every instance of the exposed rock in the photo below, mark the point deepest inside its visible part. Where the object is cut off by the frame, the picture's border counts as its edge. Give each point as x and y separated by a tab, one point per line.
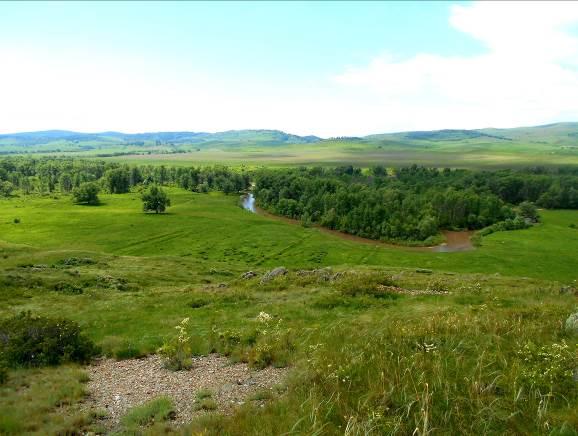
568	290
398	290
572	323
323	274
424	271
276	272
248	275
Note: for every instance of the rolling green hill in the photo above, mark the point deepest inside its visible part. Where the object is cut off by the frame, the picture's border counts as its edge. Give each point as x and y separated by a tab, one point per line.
552	144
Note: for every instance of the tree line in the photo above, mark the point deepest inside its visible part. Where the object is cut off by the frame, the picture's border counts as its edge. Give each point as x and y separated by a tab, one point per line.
48	175
413	203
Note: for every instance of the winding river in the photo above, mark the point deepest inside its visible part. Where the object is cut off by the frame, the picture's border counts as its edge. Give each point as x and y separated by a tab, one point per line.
455	241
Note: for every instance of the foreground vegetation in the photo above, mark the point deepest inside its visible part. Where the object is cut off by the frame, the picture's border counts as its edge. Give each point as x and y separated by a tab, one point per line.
464	354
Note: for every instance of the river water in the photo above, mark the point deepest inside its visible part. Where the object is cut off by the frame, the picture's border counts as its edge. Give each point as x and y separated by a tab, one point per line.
455	241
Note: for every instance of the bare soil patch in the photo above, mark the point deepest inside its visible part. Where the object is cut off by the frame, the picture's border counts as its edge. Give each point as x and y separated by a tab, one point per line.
117	386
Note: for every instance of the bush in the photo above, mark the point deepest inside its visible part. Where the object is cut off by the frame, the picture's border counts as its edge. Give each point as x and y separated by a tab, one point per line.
437	287
178	351
68	288
75	261
365	284
528	211
549	367
27	340
517	223
198	301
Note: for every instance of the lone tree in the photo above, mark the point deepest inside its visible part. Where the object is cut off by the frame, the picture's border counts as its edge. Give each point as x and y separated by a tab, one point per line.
155	199
86	193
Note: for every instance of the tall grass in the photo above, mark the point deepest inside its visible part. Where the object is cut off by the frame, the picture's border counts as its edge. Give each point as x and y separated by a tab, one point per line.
486	368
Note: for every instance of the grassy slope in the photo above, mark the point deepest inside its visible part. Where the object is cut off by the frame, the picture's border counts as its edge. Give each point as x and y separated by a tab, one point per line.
462	154
212	230
174	259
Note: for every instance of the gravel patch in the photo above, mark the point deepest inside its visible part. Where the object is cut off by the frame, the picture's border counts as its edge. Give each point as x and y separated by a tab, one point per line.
117	386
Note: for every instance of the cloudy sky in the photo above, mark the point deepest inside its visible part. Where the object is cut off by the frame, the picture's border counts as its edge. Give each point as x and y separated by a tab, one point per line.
329	69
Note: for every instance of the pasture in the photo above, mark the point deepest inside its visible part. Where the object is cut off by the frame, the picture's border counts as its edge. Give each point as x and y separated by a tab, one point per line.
212	230
128	278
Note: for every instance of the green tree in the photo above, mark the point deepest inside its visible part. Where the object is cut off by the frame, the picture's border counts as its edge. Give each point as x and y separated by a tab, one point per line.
528	211
86	193
6	189
65	182
155	199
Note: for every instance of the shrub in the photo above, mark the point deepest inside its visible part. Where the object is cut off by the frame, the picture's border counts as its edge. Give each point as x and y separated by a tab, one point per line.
75	261
437	287
365	284
273	344
28	340
177	351
517	223
68	288
109	282
528	211
548	367
199	300
16	220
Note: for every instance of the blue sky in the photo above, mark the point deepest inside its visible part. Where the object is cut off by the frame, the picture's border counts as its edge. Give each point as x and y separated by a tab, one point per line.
325	68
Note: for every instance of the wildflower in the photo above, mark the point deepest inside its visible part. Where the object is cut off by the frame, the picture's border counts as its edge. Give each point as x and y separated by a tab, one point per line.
264	317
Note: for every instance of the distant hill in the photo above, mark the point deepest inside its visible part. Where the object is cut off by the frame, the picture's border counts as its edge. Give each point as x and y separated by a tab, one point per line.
231	137
549	138
555	134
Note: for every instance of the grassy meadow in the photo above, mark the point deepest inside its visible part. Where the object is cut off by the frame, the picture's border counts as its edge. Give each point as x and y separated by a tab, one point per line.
213	231
359	153
364	361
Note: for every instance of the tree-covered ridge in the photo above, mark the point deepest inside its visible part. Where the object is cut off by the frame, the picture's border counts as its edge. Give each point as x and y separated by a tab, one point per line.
412	204
48	175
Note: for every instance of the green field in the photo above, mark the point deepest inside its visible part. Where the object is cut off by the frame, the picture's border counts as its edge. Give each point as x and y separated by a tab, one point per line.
214	231
502	295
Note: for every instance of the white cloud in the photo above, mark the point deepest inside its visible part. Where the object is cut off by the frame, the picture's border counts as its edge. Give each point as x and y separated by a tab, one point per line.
527	75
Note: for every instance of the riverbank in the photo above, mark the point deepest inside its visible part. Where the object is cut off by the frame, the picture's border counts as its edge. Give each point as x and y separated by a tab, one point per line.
455	241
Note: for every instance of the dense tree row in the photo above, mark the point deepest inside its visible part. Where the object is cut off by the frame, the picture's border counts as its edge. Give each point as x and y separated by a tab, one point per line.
47	175
413	203
549	188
